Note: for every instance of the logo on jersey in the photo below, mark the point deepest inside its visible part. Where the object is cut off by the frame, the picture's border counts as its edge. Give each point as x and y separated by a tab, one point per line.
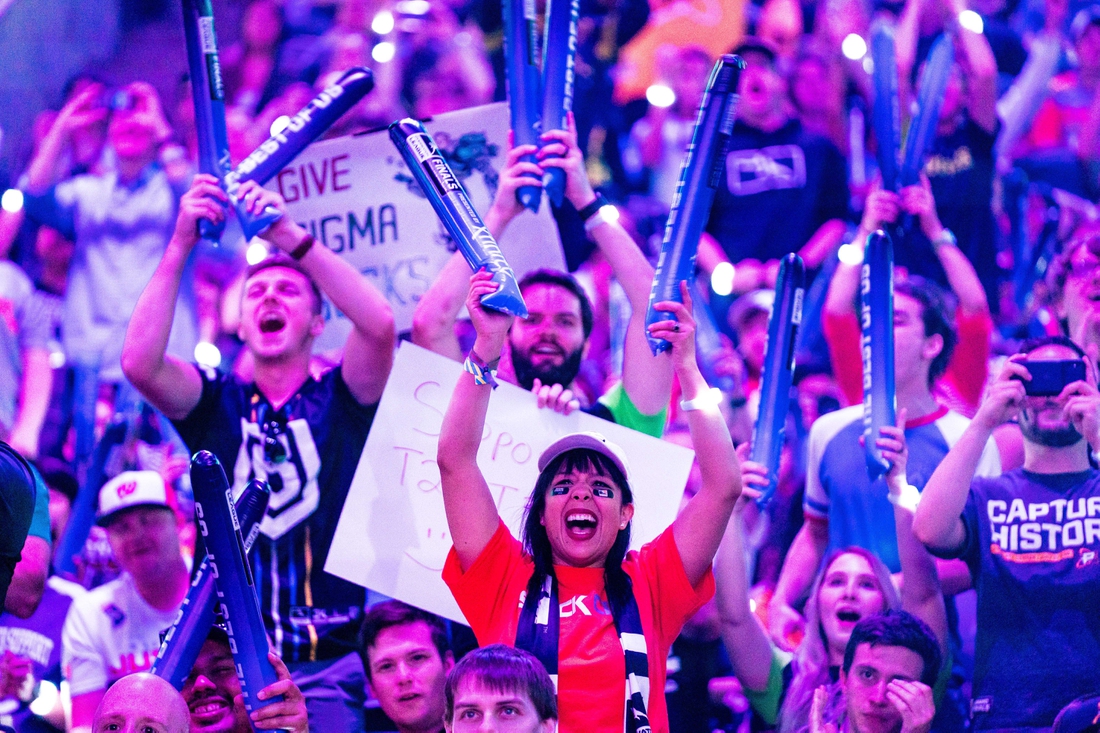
295	492
768	169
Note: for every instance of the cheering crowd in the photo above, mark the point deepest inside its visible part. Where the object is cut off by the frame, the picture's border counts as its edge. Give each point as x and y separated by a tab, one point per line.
957	590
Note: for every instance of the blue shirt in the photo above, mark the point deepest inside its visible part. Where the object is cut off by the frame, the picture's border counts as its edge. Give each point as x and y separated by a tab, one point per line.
1033	547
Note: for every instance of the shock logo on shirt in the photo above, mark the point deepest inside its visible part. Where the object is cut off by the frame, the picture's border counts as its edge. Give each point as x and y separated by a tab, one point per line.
291	469
1044	532
582	605
772	168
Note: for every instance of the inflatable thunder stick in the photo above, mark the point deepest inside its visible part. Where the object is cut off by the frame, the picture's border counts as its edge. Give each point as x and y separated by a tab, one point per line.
559	51
922	128
877	345
775	390
307	125
453	207
185	638
236	590
208	94
700	173
524	83
885	113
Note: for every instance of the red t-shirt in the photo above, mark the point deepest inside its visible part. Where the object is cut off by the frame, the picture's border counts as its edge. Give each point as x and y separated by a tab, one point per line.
592	669
961	386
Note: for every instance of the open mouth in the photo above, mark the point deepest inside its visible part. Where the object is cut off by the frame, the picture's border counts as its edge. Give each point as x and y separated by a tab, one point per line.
271	322
547	350
580	525
848	616
209	707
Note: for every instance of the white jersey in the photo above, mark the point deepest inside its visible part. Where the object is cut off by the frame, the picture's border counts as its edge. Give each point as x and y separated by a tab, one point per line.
109	633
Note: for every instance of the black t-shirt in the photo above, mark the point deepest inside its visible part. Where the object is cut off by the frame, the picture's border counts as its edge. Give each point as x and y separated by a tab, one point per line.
17	495
960	167
1033	548
307	451
777	188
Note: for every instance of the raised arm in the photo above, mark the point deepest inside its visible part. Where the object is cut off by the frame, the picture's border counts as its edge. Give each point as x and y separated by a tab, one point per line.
368	354
35	388
647	380
920	588
975	56
938	520
435	315
82	110
471	512
961	276
747	644
698	529
171	385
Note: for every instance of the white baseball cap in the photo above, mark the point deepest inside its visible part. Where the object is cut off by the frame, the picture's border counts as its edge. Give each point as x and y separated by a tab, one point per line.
585	441
130	489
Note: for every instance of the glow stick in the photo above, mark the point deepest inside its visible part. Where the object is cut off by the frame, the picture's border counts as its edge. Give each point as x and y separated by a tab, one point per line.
236	590
183	642
524	83
877	346
208	95
775	390
453	207
885	114
700	173
559	53
922	128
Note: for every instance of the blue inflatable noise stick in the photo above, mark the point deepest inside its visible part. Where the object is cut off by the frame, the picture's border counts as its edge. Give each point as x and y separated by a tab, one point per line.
559	55
775	389
876	316
700	174
181	645
236	597
524	83
208	94
453	207
885	111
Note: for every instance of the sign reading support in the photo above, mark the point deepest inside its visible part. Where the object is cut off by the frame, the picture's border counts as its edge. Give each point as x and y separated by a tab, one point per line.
393	536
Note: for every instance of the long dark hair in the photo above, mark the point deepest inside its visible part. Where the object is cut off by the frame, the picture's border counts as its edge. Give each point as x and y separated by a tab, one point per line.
536	543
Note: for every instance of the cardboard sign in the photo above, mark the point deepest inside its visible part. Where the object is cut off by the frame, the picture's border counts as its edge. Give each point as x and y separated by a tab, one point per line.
393	537
357	197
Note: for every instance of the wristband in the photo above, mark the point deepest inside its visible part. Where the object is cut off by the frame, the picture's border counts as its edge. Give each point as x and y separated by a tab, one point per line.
302	249
908	498
707	398
590	210
946	238
482	372
606	214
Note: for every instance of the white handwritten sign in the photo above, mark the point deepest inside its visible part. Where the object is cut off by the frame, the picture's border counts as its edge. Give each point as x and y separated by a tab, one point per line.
392	536
357	197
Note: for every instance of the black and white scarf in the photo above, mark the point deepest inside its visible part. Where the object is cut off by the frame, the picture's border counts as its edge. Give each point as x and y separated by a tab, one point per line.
538	633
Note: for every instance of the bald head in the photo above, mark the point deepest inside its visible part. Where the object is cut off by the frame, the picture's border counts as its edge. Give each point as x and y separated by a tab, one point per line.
139	703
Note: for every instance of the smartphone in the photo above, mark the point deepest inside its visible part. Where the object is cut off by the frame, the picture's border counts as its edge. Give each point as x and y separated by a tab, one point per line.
1048	378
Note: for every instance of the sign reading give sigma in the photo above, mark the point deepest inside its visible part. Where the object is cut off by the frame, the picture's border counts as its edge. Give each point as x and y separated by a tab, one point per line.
357	197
